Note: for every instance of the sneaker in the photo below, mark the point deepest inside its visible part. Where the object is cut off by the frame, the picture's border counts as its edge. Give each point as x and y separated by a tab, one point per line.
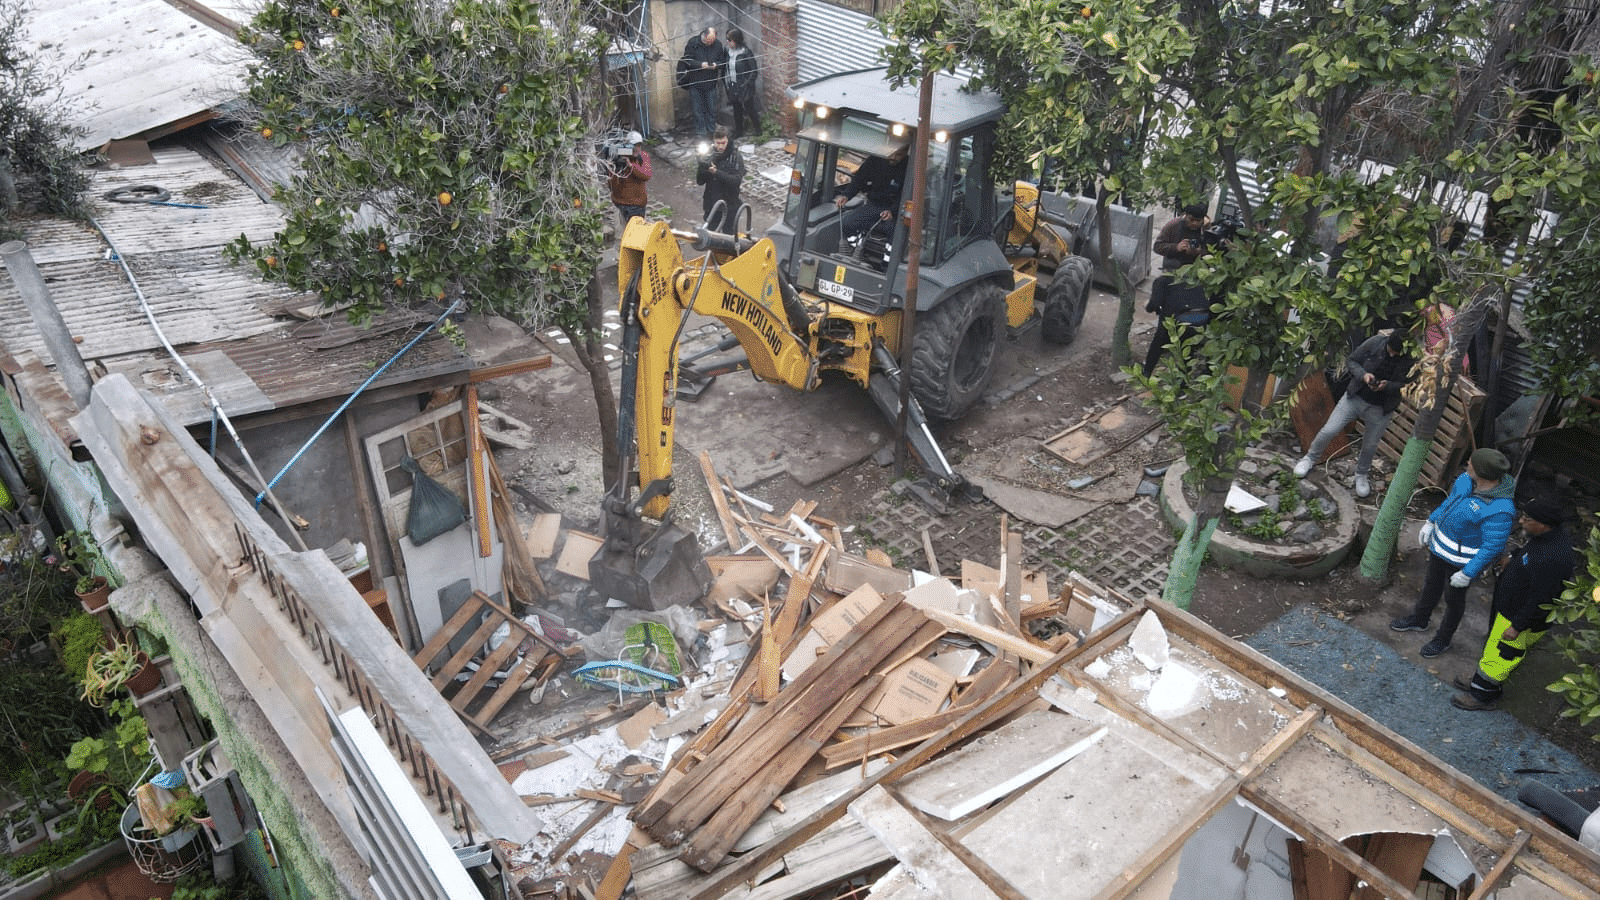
1434	648
1363	487
1466	701
1302	468
1408	623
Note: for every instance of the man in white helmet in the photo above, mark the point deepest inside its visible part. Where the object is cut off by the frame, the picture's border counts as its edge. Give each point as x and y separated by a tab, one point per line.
627	178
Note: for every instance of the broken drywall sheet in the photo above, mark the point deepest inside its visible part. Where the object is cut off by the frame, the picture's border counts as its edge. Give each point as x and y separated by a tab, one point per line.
1177	690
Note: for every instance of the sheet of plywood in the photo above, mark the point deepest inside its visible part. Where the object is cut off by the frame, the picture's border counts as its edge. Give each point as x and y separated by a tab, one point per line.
541	535
995	764
579	548
1090	817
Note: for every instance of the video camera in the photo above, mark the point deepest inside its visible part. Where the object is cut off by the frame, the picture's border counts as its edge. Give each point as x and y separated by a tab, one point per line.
1222	230
616	149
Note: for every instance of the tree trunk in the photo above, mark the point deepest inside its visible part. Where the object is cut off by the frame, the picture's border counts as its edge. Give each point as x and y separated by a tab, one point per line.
1121	352
588	344
1380	548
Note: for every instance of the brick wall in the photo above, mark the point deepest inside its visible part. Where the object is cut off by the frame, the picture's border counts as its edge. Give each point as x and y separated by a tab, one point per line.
780	51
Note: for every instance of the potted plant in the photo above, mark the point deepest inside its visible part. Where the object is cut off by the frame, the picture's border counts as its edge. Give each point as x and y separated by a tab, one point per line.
79	555
120	665
107	765
189	809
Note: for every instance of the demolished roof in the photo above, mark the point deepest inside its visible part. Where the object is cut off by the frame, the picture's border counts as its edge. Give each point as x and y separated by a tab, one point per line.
257	346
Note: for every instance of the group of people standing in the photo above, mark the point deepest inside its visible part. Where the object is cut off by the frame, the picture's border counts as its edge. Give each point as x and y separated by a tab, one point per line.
1467	535
707	65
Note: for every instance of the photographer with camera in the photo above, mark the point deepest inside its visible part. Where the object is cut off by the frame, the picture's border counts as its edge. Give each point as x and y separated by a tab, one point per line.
721	170
628	168
1180	242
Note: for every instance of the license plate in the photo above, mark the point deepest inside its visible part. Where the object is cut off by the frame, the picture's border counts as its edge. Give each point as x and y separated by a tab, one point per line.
835	290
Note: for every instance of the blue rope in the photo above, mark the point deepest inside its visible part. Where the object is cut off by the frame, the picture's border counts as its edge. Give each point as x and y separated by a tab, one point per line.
351	399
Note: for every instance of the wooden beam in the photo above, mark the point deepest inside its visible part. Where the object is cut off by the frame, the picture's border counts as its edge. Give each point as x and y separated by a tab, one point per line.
489	373
1007	643
1491	881
719	501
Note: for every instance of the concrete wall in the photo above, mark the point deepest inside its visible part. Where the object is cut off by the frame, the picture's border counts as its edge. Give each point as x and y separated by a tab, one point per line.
769	28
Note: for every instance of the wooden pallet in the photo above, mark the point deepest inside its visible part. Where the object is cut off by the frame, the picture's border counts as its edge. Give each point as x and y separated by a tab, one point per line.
1451	443
483	617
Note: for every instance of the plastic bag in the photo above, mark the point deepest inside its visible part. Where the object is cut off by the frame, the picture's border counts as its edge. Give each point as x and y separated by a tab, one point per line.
434	510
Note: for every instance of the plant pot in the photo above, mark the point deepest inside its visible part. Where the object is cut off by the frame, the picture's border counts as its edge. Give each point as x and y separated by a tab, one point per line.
147	679
83	783
97	598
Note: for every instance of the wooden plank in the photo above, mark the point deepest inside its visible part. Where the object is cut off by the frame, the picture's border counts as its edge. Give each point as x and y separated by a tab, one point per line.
491	664
718	501
917	848
519	673
654	808
469	649
477	478
488	373
580	547
1007	643
1491	881
448	630
724	772
927	550
1011	572
798	596
710	845
989	682
541	535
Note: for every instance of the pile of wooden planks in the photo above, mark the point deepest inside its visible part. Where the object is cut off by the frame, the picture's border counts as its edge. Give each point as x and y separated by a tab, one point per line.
858	660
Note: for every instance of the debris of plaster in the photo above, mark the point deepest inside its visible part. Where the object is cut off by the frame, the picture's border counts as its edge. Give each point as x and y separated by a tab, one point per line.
1179	690
1149	642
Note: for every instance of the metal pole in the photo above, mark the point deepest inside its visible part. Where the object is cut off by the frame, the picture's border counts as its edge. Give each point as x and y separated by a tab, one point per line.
919	194
57	339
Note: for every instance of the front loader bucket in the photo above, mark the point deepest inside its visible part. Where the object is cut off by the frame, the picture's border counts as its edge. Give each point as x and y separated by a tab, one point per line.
661	570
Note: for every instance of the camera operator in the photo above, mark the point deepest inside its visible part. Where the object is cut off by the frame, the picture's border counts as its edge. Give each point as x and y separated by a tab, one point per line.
1181	241
629	169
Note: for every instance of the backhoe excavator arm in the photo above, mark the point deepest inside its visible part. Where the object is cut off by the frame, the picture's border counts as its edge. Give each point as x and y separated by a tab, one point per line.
745	293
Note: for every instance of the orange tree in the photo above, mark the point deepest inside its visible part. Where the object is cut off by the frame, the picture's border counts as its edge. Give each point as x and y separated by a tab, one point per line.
446	152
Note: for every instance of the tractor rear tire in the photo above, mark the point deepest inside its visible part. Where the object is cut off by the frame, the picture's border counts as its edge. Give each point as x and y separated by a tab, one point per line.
1066	300
957	344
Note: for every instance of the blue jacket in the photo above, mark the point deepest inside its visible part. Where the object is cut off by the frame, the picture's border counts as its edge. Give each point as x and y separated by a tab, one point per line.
1471	529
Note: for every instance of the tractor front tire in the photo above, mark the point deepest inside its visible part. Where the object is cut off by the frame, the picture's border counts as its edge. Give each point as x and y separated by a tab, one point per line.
1066	300
957	344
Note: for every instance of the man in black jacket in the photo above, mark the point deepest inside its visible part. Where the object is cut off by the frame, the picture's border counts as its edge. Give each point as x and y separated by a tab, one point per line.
880	180
1379	368
1532	577
722	172
700	70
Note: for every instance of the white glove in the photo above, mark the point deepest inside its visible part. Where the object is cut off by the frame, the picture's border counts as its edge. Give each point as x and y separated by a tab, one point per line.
1460	579
1425	536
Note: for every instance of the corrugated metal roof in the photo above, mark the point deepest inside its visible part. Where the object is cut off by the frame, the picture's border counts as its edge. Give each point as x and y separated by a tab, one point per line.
145	63
212	310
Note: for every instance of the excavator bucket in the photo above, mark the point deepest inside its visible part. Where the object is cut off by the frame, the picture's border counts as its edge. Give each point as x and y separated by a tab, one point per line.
653	570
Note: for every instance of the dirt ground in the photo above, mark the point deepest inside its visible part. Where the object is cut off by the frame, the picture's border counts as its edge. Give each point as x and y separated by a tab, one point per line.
761	436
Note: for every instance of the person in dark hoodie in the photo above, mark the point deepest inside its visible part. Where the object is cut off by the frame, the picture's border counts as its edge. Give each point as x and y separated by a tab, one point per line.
1378	368
722	172
1464	535
1532	577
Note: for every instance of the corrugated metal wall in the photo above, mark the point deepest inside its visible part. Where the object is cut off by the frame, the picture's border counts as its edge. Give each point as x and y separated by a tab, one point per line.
835	39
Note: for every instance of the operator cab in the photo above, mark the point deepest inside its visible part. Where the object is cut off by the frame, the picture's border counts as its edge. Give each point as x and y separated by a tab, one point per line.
839	145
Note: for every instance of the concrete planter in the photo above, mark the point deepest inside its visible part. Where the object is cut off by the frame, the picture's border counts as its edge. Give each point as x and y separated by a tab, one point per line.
1266	560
